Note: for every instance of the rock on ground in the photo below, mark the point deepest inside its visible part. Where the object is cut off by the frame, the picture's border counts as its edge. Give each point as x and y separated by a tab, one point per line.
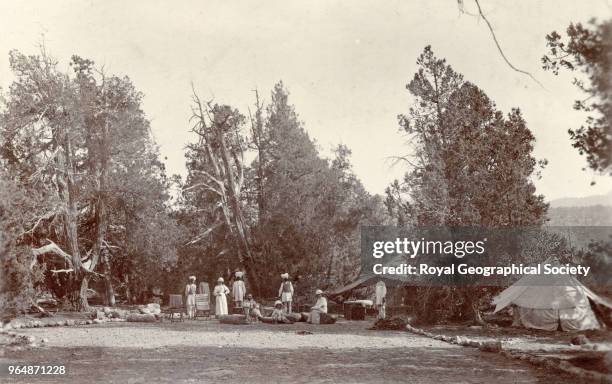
152	308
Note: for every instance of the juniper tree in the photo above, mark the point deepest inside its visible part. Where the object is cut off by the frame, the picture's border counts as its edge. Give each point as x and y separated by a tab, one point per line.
588	50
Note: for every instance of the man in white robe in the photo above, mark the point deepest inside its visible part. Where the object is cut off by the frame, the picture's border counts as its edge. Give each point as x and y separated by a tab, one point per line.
220	292
380	301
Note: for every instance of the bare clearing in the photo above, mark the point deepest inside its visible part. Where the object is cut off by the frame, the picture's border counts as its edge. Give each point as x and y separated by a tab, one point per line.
206	351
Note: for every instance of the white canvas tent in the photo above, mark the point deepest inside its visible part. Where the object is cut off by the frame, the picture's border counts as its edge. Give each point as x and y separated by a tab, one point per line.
549	301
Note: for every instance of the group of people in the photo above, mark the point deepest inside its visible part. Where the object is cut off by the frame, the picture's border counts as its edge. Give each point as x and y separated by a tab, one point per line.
252	310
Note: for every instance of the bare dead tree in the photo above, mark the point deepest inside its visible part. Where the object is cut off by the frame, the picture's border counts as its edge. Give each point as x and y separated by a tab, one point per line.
218	129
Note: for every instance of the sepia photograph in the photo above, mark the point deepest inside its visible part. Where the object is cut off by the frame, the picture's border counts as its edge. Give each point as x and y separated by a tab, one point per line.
323	191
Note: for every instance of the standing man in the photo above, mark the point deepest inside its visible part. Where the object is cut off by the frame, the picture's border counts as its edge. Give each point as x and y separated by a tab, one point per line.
220	299
285	292
190	291
380	301
238	289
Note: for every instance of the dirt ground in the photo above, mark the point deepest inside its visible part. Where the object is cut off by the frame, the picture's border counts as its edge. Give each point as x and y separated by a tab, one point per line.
542	343
209	352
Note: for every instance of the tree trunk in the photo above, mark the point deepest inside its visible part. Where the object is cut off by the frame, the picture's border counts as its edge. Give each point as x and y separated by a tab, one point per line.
128	292
108	284
330	265
99	153
242	230
66	191
470	297
83	303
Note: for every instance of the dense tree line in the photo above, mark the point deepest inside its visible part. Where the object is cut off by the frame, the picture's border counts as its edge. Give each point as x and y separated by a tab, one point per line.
88	202
85	201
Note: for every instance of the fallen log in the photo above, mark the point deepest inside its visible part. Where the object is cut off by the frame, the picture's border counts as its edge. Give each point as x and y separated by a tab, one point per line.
233	319
394	323
270	320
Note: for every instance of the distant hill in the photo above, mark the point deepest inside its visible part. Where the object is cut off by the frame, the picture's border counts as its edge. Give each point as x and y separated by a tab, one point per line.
587	201
595	215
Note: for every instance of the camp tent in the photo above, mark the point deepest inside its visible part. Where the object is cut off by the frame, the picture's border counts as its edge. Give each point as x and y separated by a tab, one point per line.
364	281
549	301
367	278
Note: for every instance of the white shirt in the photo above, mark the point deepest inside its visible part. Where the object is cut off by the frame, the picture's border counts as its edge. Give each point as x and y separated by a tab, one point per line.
321	305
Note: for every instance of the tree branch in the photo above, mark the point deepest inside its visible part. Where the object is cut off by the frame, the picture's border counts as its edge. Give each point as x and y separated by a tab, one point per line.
55	249
46	216
50	248
61	270
499	48
206	186
204	234
212	178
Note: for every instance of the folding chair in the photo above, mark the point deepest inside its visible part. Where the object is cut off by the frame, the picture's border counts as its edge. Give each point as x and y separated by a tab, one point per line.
175	305
202	307
202	299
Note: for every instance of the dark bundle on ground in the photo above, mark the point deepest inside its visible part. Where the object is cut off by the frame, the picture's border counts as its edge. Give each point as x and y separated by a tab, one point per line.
325	318
295	317
394	323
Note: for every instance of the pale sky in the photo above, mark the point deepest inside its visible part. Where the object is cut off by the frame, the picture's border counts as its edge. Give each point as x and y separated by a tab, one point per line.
346	64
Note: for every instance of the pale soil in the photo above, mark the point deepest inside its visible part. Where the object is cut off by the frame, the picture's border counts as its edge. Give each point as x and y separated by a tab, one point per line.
206	351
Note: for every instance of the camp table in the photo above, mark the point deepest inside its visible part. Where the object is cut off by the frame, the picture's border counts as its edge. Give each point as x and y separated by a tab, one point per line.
356	309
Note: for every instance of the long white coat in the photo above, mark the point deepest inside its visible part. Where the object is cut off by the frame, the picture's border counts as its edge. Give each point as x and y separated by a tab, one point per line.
190	291
381	292
220	299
